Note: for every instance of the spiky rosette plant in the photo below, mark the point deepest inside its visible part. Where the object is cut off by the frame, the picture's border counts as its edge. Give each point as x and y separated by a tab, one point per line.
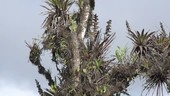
157	72
140	40
141	45
160	42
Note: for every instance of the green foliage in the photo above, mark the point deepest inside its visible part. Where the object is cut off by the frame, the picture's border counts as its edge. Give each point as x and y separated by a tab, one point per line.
102	89
73	23
121	54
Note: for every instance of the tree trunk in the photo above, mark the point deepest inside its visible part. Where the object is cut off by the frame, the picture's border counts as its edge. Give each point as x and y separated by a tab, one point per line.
84	16
75	58
77	42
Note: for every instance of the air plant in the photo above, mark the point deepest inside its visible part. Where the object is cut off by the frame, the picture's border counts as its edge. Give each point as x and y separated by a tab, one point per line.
140	40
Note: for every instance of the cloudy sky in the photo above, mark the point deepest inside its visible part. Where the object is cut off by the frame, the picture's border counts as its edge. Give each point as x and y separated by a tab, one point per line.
21	20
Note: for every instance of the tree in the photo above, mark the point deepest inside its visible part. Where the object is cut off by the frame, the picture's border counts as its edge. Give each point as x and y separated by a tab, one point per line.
79	51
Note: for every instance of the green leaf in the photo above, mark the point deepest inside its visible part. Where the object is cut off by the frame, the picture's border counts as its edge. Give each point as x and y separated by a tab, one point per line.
73	24
85	70
104	89
98	63
121	54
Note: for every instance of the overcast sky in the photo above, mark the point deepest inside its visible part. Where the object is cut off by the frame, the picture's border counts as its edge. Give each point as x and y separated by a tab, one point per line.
21	20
